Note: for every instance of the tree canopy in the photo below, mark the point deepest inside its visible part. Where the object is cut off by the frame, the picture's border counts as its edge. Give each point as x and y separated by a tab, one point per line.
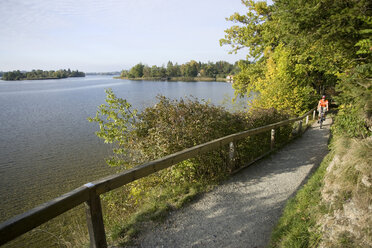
300	49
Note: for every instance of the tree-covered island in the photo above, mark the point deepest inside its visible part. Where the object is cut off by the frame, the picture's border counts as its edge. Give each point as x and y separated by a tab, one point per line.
190	71
40	74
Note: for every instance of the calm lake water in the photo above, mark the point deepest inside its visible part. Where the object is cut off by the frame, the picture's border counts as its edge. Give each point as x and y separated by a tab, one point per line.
47	146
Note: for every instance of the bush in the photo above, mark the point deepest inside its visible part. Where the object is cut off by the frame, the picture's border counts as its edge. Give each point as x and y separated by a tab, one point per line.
168	127
256	145
349	122
173	125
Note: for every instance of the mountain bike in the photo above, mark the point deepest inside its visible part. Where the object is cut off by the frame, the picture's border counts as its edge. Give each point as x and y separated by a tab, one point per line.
322	116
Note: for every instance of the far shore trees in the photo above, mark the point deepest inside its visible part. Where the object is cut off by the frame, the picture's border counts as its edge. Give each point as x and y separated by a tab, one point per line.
191	69
40	74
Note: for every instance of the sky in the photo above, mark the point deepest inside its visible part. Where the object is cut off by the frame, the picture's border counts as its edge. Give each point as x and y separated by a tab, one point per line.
111	35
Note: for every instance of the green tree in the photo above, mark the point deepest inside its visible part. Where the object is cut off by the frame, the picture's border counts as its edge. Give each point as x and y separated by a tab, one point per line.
171	70
147	71
177	70
155	71
190	69
319	38
136	71
250	30
223	68
124	73
163	72
210	70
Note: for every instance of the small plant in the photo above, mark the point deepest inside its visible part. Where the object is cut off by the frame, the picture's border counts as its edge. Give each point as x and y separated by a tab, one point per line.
346	240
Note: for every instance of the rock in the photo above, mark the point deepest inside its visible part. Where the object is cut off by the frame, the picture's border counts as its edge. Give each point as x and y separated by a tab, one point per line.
366	181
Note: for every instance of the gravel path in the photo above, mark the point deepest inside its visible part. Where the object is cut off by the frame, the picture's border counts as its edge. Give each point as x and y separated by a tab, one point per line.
243	210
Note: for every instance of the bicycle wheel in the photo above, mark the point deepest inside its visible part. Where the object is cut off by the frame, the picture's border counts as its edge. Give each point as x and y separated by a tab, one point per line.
321	117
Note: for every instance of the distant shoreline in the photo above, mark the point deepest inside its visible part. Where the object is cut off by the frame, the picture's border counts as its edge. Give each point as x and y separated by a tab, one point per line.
23	79
40	75
177	79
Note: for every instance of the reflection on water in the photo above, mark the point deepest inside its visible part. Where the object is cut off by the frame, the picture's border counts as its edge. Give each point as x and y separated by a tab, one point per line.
47	146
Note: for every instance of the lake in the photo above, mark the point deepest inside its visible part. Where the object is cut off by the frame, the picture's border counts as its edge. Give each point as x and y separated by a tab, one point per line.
47	146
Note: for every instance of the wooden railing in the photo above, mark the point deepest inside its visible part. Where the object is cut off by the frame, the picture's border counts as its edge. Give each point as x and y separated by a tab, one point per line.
90	192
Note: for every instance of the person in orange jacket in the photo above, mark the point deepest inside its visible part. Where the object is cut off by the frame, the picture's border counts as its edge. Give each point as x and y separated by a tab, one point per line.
322	105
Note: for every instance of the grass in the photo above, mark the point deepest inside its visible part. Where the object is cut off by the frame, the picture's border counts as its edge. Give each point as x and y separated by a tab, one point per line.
297	226
123	230
350	195
345	240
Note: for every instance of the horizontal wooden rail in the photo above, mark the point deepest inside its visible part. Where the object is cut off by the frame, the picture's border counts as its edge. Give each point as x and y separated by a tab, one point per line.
23	223
89	193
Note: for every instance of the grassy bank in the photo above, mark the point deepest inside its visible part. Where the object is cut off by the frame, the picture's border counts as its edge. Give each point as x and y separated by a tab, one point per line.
296	228
123	227
176	79
333	208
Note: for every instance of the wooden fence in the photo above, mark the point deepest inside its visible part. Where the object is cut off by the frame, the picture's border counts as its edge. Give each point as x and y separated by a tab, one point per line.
90	192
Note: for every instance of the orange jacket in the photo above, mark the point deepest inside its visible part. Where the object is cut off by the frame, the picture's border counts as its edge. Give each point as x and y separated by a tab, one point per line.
323	103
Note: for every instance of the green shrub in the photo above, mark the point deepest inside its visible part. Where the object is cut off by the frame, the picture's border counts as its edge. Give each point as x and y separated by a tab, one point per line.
349	122
165	128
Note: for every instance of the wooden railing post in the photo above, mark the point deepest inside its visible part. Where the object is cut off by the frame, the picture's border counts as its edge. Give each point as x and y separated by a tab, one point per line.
307	119
94	219
232	154
314	115
300	127
272	144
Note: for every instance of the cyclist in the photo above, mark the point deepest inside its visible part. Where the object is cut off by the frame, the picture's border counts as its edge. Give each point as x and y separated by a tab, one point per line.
322	106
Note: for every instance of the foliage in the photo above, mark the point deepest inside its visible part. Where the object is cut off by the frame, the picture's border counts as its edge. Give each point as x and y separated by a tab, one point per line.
116	121
250	31
165	128
188	70
308	45
350	123
136	71
39	74
355	117
277	86
169	126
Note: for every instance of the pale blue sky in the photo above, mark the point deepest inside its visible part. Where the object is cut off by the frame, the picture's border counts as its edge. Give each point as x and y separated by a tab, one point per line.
110	35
